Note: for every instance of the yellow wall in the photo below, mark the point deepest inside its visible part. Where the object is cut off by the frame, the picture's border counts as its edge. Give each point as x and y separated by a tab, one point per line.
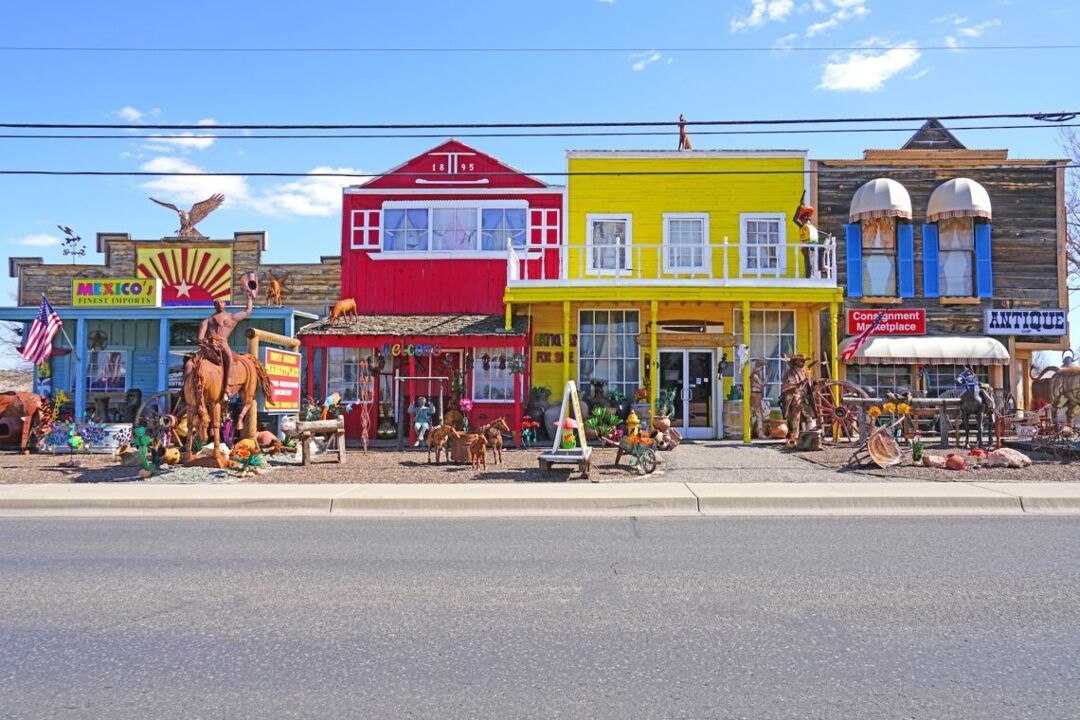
648	197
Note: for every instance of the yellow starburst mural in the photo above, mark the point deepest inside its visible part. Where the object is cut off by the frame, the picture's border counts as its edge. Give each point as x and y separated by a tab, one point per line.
189	275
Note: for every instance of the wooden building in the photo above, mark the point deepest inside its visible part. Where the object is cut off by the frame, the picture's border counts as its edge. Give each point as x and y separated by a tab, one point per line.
965	251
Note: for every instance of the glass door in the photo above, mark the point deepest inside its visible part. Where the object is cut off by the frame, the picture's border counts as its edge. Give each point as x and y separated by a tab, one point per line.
690	376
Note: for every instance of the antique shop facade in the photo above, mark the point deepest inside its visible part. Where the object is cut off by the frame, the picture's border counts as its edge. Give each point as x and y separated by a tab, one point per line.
964	249
425	249
670	261
132	319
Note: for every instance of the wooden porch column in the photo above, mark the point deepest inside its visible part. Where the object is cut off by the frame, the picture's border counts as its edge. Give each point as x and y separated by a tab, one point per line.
310	369
412	398
163	354
834	361
565	342
79	367
515	422
746	373
508	325
654	364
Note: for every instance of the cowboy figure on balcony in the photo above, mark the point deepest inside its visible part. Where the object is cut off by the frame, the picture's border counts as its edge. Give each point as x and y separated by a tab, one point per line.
810	240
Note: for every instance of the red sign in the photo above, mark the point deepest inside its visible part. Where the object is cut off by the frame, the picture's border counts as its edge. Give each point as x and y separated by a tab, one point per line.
283	370
909	321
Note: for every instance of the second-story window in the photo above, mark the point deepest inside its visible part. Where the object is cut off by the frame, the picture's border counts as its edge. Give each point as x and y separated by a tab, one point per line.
454	227
686	237
763	239
607	240
405	230
879	256
956	257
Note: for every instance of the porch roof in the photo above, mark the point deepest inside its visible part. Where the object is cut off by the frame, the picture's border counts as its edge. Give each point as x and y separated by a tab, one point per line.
418	325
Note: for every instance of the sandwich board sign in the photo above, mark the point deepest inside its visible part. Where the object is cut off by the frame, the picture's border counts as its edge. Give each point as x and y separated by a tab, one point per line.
569	445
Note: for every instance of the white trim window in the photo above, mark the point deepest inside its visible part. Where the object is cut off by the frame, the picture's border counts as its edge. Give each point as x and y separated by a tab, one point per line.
686	242
607	242
453	227
763	240
107	371
773	335
349	373
491	376
608	349
365	229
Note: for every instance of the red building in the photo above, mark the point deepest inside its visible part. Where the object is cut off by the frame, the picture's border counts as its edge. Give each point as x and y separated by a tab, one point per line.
425	250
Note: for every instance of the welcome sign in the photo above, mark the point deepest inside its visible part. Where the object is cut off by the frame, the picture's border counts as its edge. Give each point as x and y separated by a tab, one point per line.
115	292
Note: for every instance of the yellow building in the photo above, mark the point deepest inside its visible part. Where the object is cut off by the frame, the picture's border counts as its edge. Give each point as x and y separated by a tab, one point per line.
669	260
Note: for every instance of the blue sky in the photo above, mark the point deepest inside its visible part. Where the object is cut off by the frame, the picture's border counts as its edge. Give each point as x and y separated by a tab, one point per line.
302	215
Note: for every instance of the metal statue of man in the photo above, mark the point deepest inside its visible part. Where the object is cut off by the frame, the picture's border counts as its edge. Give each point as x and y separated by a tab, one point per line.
214	334
795	390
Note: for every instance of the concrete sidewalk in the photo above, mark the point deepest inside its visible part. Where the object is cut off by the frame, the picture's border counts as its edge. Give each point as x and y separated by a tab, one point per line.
614	499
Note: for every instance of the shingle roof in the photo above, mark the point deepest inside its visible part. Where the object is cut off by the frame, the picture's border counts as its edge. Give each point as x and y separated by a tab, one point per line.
406	325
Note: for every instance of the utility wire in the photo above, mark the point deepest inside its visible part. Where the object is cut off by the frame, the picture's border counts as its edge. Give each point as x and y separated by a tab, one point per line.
827	170
511	50
617	133
1049	117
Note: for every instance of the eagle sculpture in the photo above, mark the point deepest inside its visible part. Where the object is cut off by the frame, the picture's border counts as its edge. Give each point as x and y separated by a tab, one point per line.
190	218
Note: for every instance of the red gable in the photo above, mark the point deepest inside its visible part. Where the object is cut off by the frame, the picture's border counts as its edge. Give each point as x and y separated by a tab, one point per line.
453	165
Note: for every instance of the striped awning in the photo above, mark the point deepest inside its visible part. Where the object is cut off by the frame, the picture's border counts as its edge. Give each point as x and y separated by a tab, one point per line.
923	350
959	197
880	198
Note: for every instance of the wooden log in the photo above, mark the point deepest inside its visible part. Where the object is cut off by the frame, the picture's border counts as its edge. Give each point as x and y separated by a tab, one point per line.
305	447
339	437
322	427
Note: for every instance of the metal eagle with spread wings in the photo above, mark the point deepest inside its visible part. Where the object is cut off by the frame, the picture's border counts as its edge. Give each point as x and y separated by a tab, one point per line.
190	218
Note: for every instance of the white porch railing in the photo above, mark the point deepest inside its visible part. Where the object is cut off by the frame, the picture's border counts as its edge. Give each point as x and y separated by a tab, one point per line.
716	264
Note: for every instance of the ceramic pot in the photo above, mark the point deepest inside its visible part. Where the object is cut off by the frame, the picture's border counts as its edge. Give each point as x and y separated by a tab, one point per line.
661	423
778	429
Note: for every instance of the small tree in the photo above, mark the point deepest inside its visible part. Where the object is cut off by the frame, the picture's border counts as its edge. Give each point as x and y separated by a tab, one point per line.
1070	141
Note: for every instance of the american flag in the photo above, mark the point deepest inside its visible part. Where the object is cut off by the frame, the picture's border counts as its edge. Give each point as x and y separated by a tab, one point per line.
862	337
47	323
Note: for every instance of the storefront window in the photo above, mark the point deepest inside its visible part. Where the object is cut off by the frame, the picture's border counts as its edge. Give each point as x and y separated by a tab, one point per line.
492	379
879	379
772	337
940	379
608	349
106	371
956	257
879	256
349	371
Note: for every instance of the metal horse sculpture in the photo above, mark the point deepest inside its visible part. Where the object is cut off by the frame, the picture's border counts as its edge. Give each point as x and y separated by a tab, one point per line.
975	400
202	395
20	419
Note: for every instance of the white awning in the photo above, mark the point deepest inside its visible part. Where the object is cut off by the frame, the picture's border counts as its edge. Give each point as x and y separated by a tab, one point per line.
880	198
960	197
922	350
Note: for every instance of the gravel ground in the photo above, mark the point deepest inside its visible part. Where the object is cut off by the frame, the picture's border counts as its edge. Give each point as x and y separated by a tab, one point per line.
1044	468
101	467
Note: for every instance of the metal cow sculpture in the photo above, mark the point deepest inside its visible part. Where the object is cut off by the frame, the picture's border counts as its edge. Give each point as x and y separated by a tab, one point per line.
1065	392
977	401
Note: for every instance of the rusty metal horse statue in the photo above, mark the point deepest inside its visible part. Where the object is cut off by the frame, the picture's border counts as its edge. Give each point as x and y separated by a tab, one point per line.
203	393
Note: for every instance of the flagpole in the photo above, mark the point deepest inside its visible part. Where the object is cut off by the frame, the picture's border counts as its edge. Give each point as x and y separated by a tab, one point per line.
64	332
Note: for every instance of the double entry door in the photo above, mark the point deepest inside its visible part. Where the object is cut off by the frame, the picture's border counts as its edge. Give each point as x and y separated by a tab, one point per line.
691	375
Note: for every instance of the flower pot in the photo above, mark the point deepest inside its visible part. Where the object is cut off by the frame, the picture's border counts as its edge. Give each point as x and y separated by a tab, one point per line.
778	429
661	423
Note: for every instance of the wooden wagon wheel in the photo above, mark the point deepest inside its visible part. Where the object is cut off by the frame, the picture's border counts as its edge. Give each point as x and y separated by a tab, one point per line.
840	420
159	412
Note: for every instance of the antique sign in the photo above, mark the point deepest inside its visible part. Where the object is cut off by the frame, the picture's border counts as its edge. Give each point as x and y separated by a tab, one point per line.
907	321
189	275
115	292
1006	321
283	369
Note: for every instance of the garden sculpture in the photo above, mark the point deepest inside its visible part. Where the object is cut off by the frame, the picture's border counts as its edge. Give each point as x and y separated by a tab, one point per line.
215	372
478	452
343	309
493	434
977	401
275	289
421	413
190	218
1065	392
759	408
20	417
439	440
684	138
797	397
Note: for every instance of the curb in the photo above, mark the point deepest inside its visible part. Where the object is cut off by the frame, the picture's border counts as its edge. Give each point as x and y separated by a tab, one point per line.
673	499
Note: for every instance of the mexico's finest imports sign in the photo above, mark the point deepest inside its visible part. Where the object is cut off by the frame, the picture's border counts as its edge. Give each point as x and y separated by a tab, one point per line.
1006	321
909	321
115	292
283	369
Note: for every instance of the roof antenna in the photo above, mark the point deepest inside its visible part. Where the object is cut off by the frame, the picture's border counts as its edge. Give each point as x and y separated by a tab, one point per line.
684	139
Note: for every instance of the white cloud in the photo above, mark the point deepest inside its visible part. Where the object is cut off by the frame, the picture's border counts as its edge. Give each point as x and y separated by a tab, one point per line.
130	114
975	31
607	2
966	30
842	11
184	141
38	240
763	11
644	60
306	196
787	41
867	70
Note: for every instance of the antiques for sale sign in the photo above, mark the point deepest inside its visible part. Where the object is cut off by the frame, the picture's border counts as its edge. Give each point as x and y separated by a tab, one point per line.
283	369
907	321
1007	321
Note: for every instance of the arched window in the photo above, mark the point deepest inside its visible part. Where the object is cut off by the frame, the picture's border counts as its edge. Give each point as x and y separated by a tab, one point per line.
880	241
956	241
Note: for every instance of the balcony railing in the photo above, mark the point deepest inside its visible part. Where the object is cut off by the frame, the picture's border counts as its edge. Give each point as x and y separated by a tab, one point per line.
717	264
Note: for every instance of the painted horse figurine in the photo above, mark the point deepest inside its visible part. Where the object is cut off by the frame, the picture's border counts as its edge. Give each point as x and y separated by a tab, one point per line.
975	400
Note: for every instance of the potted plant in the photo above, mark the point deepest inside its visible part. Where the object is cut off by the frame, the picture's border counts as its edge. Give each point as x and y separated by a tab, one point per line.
641	402
619	402
539	402
665	407
600	423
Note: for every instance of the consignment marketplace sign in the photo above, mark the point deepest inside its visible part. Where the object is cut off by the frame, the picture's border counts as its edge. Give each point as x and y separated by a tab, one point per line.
909	321
283	370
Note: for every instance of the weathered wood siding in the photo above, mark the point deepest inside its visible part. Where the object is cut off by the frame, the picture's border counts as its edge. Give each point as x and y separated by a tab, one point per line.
1024	239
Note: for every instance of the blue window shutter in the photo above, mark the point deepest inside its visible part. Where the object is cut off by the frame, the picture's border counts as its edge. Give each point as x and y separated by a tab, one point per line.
984	267
853	238
905	259
931	285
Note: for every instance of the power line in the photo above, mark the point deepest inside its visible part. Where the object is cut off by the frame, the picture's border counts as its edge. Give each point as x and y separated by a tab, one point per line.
1050	117
622	133
514	50
828	170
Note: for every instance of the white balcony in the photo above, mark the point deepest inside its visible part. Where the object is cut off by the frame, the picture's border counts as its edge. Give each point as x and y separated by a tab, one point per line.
724	264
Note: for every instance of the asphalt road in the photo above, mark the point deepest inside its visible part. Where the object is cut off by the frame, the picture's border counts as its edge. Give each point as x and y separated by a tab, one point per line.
545	618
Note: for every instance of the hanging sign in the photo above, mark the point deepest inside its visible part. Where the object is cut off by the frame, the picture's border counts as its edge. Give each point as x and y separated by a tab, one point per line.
1006	321
115	292
283	370
906	321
